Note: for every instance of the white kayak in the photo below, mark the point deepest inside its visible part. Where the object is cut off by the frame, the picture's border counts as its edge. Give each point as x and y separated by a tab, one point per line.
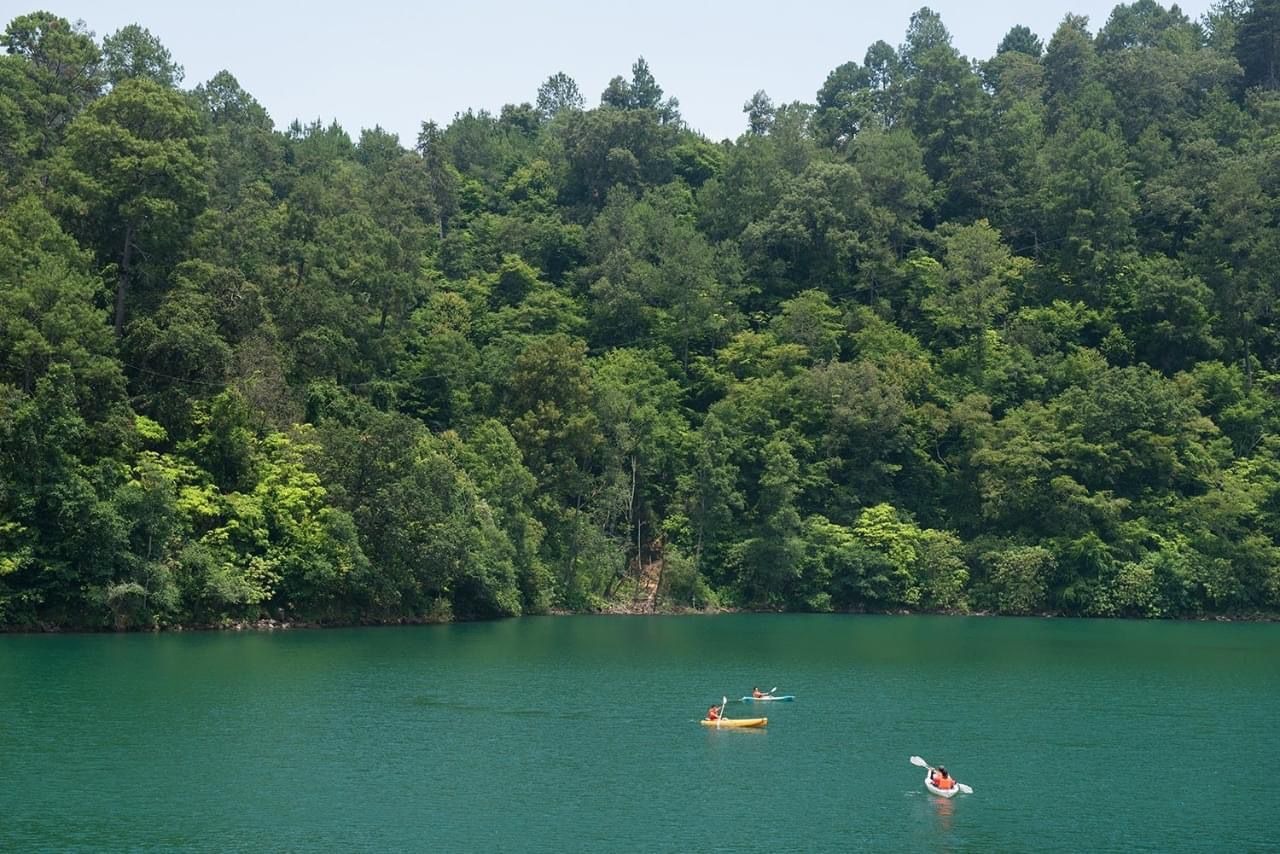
943	793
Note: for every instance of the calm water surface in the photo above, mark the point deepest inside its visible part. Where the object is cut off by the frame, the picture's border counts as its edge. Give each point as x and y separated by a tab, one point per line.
581	734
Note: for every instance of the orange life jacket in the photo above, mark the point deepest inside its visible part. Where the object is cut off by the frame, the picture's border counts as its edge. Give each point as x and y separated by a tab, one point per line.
942	782
713	713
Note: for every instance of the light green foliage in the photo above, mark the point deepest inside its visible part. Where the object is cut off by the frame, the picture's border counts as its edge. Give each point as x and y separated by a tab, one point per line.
979	277
811	321
884	561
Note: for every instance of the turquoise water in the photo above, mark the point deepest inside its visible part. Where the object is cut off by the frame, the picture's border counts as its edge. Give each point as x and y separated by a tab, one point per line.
581	734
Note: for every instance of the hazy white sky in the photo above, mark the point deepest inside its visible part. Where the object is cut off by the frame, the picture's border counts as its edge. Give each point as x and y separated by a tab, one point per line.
396	63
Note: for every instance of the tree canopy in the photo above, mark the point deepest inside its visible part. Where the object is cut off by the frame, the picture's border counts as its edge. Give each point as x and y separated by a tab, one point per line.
994	335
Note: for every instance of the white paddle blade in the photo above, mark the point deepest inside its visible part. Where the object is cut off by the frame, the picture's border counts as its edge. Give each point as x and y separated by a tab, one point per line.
966	790
916	760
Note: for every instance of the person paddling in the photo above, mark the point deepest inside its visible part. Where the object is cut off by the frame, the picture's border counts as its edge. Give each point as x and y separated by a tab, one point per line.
757	693
713	713
940	778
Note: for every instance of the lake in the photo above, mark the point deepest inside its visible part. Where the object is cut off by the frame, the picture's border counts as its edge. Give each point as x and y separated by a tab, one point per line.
581	734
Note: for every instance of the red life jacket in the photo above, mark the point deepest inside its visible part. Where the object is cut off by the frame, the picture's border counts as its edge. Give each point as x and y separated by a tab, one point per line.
713	713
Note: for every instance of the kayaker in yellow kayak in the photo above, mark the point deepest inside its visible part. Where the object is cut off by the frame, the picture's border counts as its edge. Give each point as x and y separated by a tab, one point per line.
713	713
941	778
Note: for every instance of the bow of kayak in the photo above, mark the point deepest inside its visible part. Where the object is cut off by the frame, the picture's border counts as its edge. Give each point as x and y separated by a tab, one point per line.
735	723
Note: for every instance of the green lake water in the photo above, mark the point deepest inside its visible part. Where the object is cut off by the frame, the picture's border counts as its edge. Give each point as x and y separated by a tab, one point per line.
581	734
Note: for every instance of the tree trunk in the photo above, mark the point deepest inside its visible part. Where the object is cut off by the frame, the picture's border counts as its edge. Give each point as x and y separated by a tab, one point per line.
122	281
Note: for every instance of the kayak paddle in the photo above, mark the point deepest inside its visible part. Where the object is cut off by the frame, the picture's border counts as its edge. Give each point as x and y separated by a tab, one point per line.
916	760
724	701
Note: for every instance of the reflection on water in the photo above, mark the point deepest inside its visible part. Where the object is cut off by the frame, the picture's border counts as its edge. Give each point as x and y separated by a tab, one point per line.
945	809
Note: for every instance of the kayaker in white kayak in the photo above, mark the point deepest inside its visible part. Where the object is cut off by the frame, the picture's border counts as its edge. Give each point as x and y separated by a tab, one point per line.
757	693
940	778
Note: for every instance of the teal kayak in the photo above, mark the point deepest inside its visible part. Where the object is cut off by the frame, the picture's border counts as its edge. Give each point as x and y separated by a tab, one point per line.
770	698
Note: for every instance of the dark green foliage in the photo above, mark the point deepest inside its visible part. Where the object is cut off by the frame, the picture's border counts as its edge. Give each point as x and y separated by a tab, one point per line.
1257	44
1020	39
996	335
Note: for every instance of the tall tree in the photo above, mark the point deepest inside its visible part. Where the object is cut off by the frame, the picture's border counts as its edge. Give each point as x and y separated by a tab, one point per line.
61	63
1258	44
760	112
557	94
134	53
133	172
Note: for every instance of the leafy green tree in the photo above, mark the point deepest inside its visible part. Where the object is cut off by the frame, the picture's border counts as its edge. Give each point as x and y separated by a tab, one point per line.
134	174
980	275
1221	23
1020	39
891	164
1233	252
71	540
492	460
1087	201
132	52
1166	313
1257	44
769	561
1017	578
604	148
814	236
548	405
58	76
241	227
641	93
942	97
810	320
760	112
442	177
1141	24
744	189
843	104
557	94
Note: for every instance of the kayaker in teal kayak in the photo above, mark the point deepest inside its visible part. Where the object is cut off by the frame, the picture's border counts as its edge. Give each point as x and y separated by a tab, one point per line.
757	693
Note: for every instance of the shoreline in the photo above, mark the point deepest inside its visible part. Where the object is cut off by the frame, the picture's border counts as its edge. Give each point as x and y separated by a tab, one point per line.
273	625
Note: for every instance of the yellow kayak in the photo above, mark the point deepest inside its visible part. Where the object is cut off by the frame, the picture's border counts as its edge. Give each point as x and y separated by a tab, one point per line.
724	723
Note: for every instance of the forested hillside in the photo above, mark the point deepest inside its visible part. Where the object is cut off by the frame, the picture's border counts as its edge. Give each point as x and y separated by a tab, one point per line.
959	335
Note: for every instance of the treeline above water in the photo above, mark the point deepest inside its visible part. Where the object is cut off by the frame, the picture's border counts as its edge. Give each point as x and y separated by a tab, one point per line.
993	335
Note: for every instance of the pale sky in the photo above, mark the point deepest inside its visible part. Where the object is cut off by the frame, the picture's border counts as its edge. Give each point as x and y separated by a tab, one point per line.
397	63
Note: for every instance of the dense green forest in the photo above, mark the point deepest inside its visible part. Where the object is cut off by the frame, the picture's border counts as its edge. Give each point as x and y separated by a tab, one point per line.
959	335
